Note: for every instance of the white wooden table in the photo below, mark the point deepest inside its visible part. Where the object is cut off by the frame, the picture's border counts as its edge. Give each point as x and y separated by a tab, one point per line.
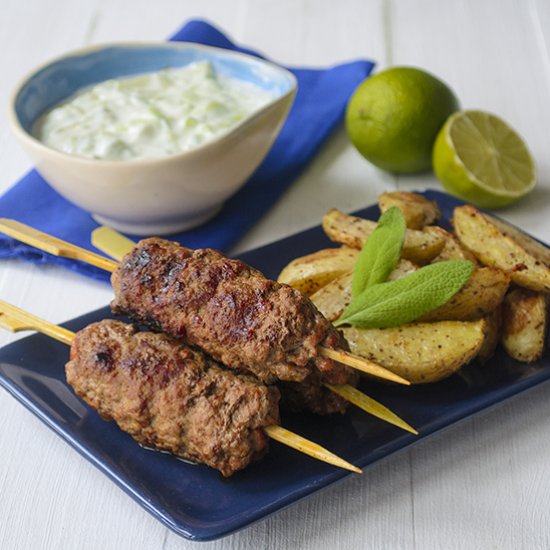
483	484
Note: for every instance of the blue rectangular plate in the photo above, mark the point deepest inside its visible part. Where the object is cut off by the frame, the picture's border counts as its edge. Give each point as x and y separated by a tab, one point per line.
195	501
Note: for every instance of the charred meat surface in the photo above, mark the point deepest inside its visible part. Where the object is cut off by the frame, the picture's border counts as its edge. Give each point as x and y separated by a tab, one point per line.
229	310
170	397
311	396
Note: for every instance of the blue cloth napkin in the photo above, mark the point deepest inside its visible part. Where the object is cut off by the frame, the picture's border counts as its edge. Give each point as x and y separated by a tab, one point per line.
318	108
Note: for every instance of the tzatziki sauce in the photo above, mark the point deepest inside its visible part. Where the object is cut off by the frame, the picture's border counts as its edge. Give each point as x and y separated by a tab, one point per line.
150	115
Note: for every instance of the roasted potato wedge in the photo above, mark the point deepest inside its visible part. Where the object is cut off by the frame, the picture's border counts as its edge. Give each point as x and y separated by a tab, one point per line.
309	273
494	248
536	249
452	250
332	299
483	292
420	352
492	335
417	210
420	246
524	324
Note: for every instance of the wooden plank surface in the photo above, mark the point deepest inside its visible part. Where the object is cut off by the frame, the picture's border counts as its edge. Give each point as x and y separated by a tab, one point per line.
484	484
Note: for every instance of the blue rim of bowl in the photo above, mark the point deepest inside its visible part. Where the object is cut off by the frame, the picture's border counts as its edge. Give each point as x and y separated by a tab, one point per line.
18	128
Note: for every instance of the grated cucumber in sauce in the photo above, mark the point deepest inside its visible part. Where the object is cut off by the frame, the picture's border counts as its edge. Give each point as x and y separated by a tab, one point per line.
150	115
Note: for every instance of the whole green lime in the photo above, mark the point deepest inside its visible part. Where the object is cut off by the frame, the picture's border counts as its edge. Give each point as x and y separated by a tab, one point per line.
394	117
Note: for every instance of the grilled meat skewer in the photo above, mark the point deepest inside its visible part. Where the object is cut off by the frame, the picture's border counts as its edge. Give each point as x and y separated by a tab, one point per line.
172	398
229	310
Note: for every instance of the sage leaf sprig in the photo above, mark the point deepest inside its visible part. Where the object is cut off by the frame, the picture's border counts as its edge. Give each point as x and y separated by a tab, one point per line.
395	303
381	252
378	303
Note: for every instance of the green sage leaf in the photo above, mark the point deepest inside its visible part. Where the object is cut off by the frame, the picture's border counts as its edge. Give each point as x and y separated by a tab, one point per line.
395	303
380	253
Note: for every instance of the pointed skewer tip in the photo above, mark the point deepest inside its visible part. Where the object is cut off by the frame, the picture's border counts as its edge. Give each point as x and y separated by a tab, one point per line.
370	406
362	364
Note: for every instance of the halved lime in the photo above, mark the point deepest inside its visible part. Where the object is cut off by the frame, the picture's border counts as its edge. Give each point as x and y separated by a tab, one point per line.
479	158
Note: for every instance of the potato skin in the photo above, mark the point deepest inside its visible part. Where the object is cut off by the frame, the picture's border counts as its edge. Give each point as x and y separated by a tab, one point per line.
494	248
417	210
525	321
420	246
492	335
420	352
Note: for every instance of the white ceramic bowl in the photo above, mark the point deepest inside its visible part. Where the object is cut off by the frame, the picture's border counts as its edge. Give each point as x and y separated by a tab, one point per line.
152	196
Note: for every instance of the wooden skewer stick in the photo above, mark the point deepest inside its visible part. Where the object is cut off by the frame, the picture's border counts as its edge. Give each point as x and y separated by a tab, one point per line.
102	239
370	405
286	437
53	245
111	242
15	320
117	246
362	364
